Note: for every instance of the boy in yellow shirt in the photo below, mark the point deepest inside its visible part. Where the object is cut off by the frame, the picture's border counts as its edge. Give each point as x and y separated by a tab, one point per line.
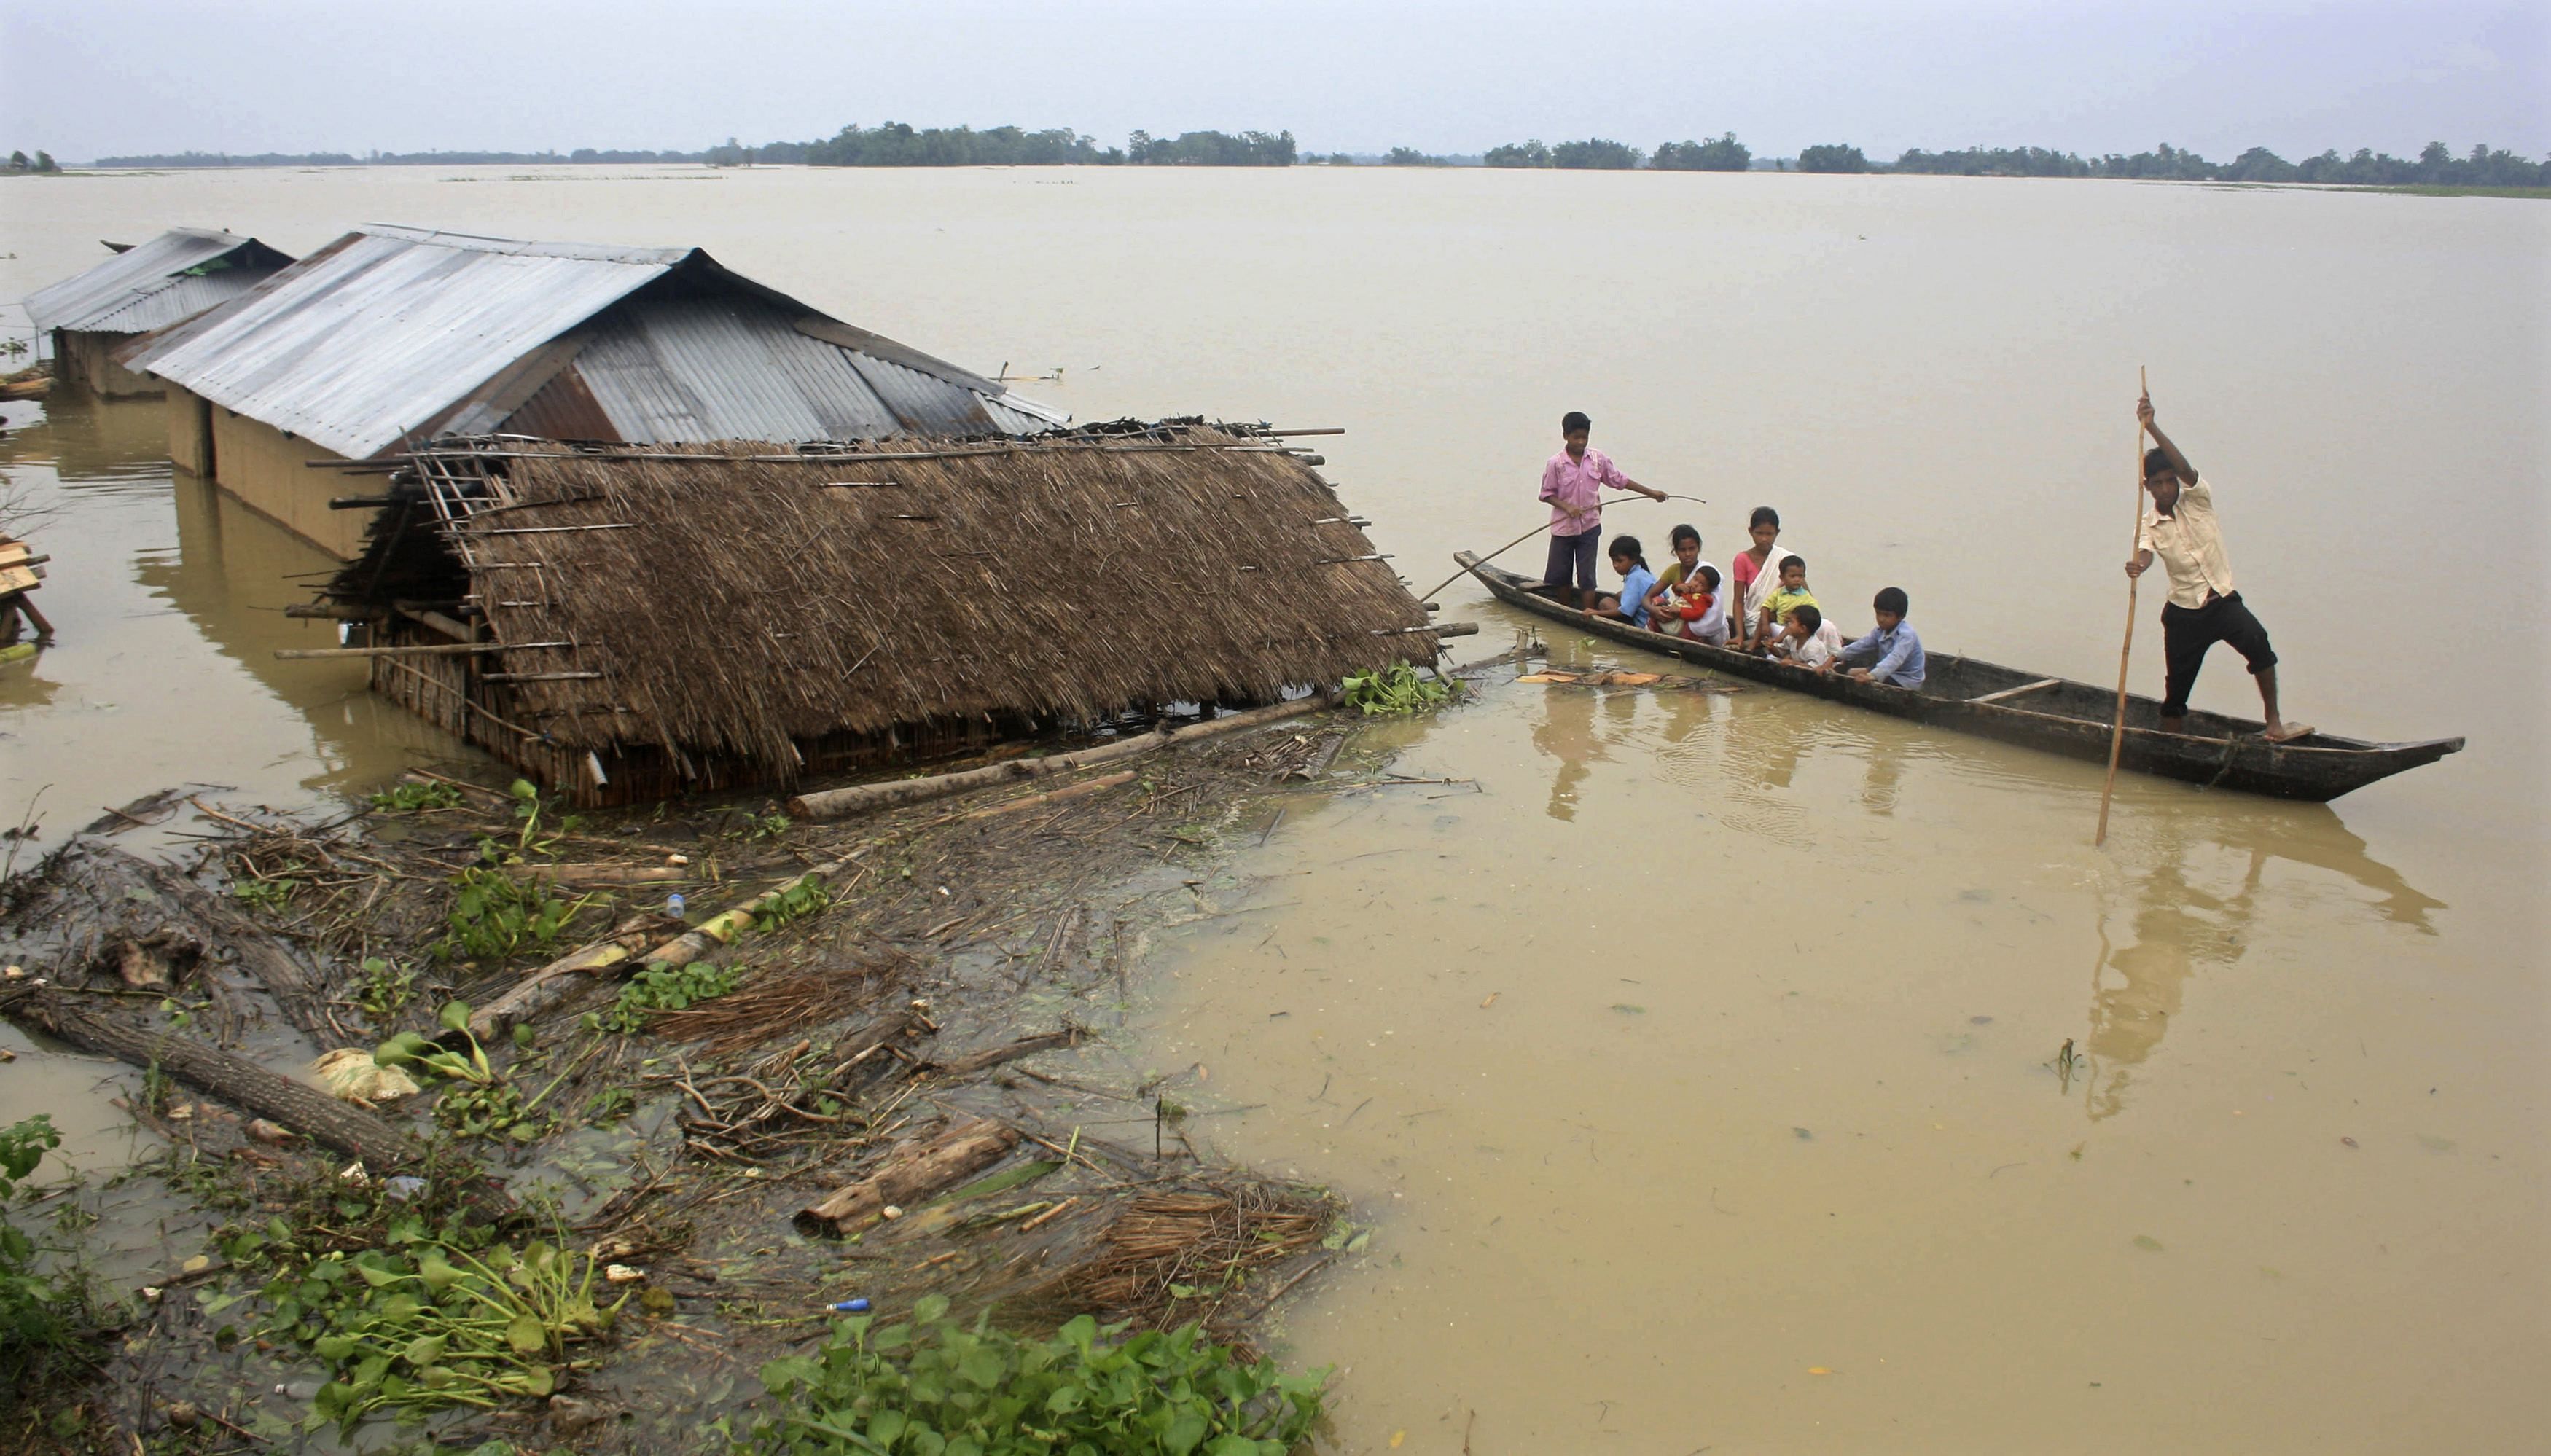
1792	595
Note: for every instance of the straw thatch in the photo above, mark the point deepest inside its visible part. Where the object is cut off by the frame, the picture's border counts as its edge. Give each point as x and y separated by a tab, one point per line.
727	608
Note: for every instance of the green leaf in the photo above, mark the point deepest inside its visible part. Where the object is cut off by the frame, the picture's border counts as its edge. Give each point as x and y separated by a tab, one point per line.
885	1426
425	1350
454	1016
1187	1431
790	1370
437	1271
930	1309
334	1347
1002	1181
982	1366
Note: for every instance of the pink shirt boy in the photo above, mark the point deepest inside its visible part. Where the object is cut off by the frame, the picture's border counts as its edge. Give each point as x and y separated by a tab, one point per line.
1574	489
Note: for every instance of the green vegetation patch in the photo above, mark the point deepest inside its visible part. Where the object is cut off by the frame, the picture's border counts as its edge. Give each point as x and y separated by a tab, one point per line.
933	1388
1395	689
662	988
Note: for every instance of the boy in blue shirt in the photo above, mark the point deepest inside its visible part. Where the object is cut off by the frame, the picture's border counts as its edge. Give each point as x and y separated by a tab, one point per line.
1630	603
1893	654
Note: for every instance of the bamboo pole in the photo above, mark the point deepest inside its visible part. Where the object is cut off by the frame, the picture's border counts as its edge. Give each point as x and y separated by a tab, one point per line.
1484	560
895	792
628	948
431	650
2125	653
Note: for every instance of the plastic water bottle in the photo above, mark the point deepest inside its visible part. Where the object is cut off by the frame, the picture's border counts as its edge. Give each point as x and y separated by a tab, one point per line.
850	1307
673	904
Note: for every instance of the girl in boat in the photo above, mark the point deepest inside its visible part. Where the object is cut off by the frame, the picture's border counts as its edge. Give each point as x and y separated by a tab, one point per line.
1753	577
1638	583
1679	576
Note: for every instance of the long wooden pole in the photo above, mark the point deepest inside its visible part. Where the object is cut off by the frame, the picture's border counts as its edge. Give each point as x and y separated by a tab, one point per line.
1483	560
2118	736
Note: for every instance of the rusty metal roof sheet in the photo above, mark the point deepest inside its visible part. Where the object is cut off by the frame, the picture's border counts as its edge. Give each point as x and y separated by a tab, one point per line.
167	280
388	330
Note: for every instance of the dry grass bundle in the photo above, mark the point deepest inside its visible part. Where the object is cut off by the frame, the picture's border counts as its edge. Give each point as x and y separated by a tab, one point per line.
1178	1254
739	608
779	1004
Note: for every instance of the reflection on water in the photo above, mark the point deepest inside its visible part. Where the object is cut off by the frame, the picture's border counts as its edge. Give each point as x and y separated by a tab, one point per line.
2180	925
168	598
1769	1092
1567	733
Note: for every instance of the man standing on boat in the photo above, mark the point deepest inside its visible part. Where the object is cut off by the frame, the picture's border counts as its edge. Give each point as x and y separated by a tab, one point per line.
2203	607
1572	482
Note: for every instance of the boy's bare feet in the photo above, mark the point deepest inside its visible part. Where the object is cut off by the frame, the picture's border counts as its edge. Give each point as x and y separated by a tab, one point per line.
2285	733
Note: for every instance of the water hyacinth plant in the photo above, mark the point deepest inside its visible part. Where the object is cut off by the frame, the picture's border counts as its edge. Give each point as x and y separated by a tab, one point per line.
429	1327
933	1388
1397	689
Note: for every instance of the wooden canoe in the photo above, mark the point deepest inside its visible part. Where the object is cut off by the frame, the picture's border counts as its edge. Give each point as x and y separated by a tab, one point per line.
2056	715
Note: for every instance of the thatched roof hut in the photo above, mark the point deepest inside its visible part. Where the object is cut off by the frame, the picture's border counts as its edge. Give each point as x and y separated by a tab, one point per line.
632	621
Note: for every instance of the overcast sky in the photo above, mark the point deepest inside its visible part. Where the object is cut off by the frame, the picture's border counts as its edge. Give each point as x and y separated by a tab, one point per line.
84	78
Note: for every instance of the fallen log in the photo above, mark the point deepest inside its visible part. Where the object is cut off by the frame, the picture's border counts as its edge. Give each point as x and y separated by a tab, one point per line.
236	1080
972	1062
556	981
296	989
914	1170
1086	787
895	792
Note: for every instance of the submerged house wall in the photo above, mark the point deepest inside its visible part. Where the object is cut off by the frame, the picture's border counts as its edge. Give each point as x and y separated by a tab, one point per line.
453	695
270	472
86	359
190	432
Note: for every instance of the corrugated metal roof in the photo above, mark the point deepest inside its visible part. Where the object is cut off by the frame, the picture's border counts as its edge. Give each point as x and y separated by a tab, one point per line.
384	331
153	285
728	367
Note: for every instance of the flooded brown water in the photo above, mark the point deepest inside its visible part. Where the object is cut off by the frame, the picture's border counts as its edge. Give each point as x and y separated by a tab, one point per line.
1764	1086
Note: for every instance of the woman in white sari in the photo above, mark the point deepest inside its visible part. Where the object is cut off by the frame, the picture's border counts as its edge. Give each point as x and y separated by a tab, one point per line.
1754	576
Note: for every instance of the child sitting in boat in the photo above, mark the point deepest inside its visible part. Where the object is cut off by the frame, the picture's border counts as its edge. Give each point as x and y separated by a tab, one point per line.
1806	639
1662	601
1786	599
1695	613
1893	654
1630	603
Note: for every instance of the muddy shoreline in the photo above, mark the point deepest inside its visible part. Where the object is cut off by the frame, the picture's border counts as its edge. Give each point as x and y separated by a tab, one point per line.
963	971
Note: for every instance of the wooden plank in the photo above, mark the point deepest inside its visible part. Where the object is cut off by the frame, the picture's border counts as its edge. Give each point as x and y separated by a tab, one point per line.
2043	682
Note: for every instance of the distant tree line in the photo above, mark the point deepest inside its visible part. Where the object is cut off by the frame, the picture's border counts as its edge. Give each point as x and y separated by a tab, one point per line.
896	144
581	155
2436	165
21	164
